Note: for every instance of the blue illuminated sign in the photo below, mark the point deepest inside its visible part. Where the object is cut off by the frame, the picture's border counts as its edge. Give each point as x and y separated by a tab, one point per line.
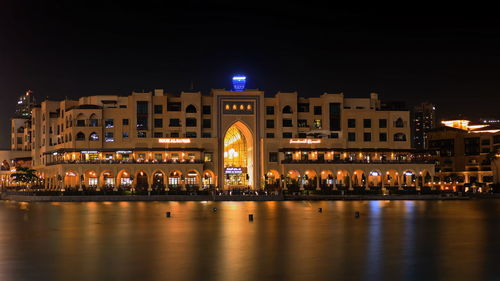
239	82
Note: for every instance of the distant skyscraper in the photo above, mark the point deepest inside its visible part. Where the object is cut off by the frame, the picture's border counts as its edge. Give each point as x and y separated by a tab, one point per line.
423	119
24	105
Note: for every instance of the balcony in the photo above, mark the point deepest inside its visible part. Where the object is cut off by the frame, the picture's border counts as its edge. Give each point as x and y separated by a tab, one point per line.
341	161
127	161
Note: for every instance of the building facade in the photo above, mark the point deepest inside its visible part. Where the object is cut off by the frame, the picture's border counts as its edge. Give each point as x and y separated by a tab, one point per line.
423	119
463	153
225	140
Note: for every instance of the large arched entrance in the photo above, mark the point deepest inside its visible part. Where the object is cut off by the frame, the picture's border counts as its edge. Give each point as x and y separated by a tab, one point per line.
238	157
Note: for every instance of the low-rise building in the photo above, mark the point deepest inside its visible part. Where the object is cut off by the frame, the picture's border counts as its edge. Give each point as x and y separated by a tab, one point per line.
463	153
226	139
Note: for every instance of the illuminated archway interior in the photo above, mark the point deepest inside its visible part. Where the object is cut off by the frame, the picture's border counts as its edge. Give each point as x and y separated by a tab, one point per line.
238	160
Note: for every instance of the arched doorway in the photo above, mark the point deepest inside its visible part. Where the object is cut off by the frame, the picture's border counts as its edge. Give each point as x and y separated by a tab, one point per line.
272	179
71	179
208	179
238	157
174	179
158	180
141	181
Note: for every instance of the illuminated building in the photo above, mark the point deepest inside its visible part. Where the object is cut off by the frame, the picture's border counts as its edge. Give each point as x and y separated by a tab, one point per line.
461	151
226	140
423	119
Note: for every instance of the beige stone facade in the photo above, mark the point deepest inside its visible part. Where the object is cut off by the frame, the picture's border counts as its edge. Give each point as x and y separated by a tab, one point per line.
225	140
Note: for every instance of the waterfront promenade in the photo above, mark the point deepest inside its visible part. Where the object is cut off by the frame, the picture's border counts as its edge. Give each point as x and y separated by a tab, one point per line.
34	197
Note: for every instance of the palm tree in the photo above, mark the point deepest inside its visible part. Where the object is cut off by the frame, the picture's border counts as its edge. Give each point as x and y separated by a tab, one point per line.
24	175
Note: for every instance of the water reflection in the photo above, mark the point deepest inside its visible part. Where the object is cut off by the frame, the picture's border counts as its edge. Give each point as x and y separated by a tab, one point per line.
392	240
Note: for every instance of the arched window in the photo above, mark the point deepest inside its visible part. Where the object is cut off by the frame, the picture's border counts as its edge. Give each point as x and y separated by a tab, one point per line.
399	123
190	109
93	121
94	136
80	136
399	137
287	109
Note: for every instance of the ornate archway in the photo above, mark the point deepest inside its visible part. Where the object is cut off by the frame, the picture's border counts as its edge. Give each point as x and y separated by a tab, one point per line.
238	157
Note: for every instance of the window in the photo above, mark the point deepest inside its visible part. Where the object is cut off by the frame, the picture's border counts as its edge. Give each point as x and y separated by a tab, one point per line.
158	109
303	107
334	135
190	134
269	123
108	137
471	146
399	123
317	124
287	122
207	123
367	137
174	106
174	135
190	122
287	135
302	123
273	156
382	123
94	137
382	137
142	123
80	123
207	109
108	123
142	107
158	122
496	139
157	135
124	122
270	135
141	135
317	110
174	122
287	109
93	122
334	116
80	136
302	135
270	110
351	136
351	123
190	109
208	157
485	142
125	135
399	137
367	123
19	140
206	135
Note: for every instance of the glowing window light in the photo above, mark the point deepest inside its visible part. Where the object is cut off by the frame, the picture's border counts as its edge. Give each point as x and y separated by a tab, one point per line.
239	82
374	173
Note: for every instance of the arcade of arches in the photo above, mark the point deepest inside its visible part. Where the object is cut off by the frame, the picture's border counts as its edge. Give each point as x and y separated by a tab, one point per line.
311	179
125	179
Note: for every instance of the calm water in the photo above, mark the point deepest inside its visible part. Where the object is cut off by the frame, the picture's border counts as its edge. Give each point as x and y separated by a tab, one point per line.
406	240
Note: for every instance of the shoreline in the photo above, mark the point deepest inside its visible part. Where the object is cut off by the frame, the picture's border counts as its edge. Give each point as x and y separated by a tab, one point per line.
119	198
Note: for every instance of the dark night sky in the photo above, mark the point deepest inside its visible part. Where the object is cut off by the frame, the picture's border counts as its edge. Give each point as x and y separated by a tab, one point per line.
448	57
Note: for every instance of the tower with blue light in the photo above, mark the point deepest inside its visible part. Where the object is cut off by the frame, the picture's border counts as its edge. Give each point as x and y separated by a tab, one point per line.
239	82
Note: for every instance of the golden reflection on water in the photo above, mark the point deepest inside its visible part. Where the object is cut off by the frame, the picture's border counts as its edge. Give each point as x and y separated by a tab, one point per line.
391	240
